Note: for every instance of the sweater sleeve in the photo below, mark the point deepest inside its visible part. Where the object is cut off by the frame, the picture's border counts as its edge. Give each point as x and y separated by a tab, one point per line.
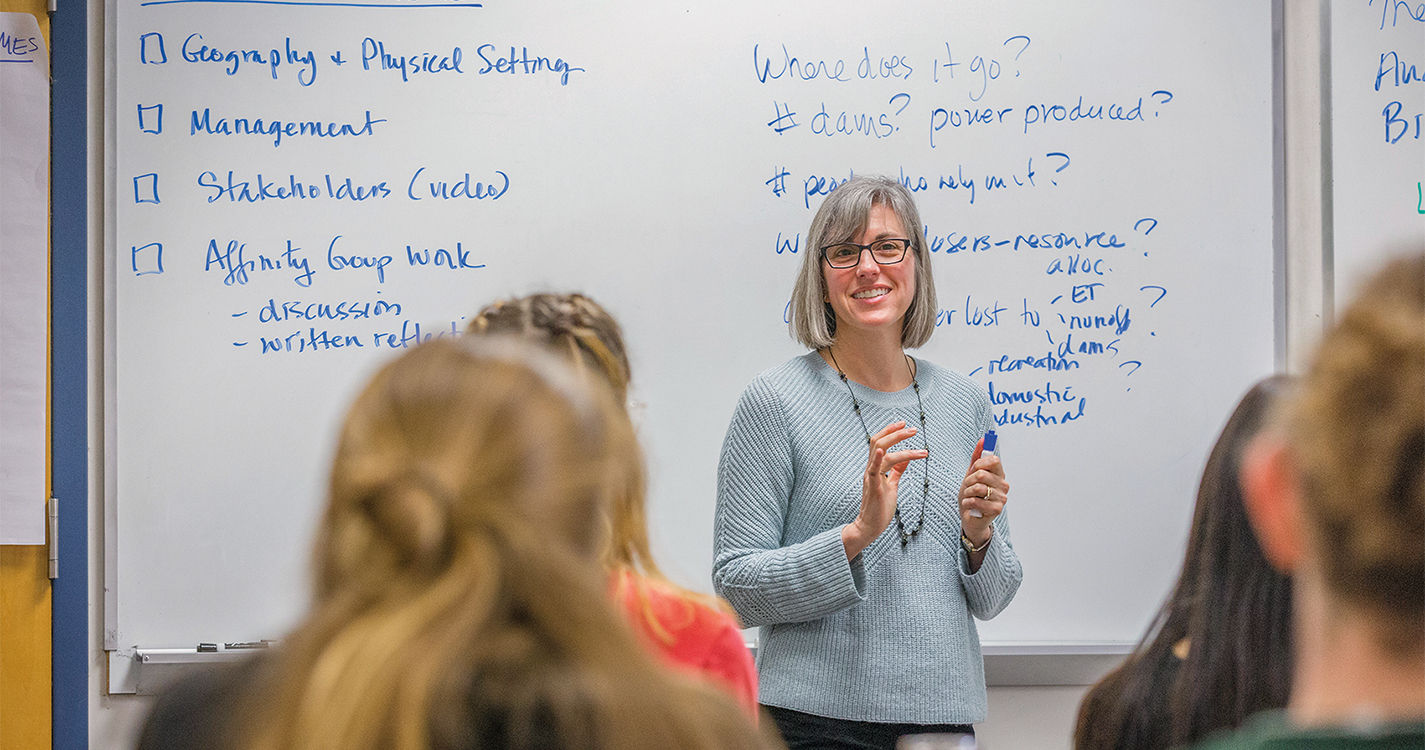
991	588
764	581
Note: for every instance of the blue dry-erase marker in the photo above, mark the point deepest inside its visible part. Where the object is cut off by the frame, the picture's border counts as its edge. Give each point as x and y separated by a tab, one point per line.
989	450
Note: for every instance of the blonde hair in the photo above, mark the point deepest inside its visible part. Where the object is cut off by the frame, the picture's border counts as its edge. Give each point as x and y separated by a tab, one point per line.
570	323
583	330
454	606
1357	436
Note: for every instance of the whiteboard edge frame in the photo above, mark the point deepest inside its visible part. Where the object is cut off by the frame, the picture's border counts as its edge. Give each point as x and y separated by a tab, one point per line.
1280	310
106	412
106	249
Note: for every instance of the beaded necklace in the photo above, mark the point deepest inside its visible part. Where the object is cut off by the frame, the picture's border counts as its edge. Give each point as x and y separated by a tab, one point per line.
925	481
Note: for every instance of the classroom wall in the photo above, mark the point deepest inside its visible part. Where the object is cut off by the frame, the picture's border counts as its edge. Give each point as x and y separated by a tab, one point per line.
1022	718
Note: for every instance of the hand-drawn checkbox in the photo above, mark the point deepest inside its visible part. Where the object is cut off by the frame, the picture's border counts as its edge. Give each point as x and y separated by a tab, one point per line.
147	259
146	188
151	50
151	119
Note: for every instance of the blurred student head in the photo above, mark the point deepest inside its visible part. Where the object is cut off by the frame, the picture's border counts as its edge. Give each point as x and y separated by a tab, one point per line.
572	323
1337	495
1219	649
692	631
584	332
459	602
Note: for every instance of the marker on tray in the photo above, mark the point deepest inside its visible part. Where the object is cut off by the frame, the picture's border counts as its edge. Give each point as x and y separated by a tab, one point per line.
989	450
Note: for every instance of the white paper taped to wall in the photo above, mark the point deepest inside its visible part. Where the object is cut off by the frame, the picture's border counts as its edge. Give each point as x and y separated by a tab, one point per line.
24	273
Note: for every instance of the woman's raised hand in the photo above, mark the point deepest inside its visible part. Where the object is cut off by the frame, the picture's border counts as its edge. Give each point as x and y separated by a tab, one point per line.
879	484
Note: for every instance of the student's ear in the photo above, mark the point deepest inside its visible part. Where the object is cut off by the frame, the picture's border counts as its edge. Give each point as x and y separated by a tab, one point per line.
1270	492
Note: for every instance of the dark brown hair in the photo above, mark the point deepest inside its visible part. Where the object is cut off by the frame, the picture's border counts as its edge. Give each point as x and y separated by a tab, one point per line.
1229	606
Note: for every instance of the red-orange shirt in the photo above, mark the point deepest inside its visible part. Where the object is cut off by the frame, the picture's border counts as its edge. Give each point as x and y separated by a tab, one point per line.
695	637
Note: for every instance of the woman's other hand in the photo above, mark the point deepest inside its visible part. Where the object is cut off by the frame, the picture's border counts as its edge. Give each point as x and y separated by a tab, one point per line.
984	489
879	484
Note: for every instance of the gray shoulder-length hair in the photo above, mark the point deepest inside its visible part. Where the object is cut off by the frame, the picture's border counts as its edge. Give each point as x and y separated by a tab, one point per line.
842	216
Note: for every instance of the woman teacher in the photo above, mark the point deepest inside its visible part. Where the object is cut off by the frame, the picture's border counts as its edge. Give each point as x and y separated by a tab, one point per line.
857	522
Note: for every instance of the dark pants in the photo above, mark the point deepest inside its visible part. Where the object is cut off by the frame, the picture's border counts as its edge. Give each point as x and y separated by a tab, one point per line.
809	732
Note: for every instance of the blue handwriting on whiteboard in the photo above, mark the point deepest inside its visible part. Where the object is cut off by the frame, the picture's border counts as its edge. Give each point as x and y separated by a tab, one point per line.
1393	119
814	185
411	335
988	69
1395	6
882	66
339	262
424	62
1400	73
523	63
1038	418
249	191
459	188
442	257
794	68
1051	361
194	51
1118	320
1045	113
1046	395
975	315
956	242
239	269
1077	264
313	341
1068	347
278	128
273	312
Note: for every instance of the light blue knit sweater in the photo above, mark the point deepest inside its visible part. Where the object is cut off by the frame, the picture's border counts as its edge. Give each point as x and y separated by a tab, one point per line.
884	637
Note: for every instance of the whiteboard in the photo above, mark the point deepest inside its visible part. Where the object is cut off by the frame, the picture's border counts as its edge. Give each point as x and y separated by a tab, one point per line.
1096	181
1377	151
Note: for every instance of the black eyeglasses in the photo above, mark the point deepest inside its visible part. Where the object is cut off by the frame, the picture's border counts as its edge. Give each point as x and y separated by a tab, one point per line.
848	254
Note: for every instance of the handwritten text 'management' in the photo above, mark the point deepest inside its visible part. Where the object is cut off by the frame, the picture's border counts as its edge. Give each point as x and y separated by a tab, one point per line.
277	128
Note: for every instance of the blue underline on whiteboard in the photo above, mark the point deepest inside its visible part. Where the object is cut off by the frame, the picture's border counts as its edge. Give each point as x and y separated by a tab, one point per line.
19	61
322	4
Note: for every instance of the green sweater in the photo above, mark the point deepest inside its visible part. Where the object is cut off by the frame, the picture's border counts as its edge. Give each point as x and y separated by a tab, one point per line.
1270	730
888	636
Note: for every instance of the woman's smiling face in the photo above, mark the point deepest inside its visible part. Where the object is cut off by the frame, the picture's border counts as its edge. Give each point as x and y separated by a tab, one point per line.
870	296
